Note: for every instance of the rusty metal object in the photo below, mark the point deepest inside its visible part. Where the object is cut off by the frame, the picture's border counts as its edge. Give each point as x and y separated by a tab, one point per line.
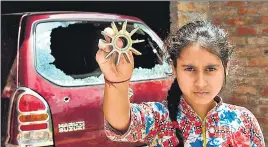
122	34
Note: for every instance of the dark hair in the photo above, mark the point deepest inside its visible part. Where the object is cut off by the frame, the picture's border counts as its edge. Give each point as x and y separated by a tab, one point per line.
207	36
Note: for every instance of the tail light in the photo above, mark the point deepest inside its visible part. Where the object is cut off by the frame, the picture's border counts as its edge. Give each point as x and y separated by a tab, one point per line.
30	121
29	103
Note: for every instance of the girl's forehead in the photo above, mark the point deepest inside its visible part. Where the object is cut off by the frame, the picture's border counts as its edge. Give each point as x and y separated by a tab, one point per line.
196	54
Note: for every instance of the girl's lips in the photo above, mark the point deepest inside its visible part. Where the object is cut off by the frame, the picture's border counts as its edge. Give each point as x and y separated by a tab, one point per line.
201	93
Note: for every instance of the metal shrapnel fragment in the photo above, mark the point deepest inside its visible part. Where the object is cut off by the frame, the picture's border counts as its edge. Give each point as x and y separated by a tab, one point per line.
124	35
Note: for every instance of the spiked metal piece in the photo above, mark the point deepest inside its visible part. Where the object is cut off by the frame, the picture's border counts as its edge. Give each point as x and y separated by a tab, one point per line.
123	33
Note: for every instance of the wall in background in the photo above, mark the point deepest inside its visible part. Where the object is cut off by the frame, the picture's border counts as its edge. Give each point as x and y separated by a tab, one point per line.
247	25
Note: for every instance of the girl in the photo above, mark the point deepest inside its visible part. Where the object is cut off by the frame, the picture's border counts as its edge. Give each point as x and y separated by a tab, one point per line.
193	115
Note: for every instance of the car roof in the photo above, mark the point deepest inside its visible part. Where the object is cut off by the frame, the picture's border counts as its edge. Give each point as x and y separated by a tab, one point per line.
104	15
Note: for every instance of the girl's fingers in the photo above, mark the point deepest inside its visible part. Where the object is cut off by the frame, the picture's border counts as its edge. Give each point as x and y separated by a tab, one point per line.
107	39
108	33
100	56
103	46
119	43
129	57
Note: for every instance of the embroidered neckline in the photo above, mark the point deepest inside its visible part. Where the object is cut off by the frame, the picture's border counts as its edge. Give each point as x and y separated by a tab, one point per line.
189	111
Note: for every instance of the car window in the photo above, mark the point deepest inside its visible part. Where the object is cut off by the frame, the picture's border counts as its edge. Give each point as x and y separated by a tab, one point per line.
65	52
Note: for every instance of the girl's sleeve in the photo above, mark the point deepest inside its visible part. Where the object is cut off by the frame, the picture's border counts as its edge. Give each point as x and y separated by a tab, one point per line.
254	130
146	119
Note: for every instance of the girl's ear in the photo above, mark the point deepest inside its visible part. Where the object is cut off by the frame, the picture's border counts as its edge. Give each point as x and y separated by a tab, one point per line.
173	68
227	68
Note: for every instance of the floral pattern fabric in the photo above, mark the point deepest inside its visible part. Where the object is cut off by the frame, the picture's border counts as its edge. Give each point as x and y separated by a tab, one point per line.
224	126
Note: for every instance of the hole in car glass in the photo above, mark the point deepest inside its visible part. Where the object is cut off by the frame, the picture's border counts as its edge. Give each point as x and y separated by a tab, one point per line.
65	52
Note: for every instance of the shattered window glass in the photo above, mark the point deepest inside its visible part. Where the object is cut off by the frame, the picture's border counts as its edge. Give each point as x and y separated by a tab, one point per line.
65	52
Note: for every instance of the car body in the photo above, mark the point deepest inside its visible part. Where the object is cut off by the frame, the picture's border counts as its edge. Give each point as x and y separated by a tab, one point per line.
52	89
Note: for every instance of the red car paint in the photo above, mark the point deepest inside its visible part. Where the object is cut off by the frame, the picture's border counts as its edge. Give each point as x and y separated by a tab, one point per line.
85	103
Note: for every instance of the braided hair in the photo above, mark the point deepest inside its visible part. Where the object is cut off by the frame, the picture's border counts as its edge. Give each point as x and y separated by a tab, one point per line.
206	35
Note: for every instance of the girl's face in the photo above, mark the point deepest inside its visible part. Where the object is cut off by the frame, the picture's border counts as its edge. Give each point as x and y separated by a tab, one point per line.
200	74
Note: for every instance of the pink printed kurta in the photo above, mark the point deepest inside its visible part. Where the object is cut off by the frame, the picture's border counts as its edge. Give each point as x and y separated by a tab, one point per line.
224	126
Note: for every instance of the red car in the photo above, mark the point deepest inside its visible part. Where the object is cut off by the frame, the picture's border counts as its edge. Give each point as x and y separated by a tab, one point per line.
52	88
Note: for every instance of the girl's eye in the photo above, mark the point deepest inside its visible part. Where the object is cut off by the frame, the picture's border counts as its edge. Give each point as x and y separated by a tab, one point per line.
211	69
189	69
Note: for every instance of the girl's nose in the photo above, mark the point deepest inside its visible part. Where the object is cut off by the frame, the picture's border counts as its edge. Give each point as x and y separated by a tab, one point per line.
201	81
